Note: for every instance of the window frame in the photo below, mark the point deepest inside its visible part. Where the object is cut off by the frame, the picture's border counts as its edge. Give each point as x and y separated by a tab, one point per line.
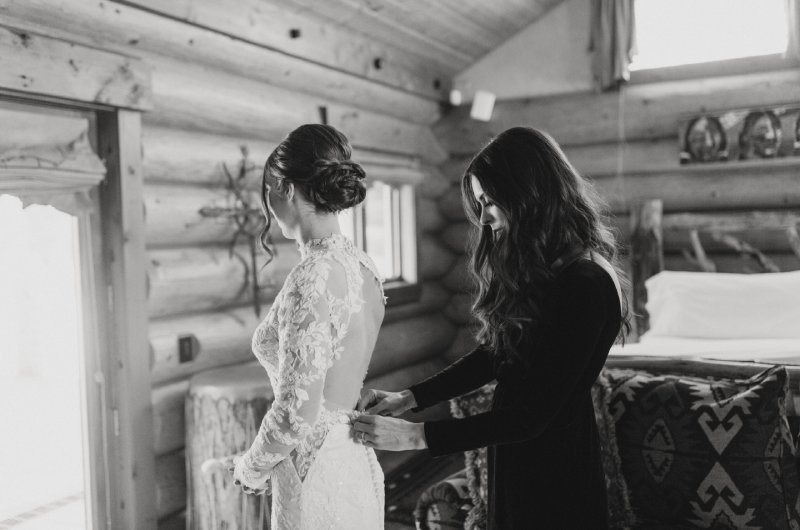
405	287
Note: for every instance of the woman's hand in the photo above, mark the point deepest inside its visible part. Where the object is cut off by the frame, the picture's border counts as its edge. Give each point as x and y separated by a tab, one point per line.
389	434
386	403
233	462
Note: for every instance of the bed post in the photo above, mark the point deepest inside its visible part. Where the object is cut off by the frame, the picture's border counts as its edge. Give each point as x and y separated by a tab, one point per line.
647	255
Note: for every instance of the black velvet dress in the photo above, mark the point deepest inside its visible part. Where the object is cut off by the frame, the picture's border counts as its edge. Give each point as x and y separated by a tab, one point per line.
544	461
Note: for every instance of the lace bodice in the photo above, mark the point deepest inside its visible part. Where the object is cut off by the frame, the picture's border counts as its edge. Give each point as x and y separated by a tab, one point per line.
301	340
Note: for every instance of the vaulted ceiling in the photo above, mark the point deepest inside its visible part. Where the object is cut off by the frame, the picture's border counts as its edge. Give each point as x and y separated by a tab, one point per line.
444	35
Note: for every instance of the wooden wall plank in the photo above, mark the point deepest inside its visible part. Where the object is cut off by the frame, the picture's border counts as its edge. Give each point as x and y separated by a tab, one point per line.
222	338
40	65
195	279
137	32
760	184
271	25
409	341
651	111
169	419
193	98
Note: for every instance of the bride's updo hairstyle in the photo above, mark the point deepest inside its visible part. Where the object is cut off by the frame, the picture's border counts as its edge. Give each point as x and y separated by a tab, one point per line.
315	158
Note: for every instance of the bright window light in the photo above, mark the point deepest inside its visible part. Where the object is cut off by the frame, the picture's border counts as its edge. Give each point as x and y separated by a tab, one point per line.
674	32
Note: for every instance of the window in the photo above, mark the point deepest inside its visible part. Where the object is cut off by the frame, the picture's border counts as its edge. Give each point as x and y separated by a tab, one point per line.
383	226
676	32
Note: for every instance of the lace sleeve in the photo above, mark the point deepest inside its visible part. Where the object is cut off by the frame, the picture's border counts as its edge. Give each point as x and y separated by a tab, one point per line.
305	352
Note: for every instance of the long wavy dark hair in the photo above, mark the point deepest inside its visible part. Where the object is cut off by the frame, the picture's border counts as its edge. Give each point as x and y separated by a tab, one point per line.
553	215
315	158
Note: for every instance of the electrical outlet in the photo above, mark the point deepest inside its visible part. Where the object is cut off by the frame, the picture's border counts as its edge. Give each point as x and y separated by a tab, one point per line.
188	347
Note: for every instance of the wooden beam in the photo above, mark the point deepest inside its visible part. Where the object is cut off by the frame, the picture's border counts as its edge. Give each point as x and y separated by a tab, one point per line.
732	263
133	31
647	256
41	65
191	157
220	337
436	259
192	98
124	249
369	21
725	186
651	111
766	230
194	279
307	37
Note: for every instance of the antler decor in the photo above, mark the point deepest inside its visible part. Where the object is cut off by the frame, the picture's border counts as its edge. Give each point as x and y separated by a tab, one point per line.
248	219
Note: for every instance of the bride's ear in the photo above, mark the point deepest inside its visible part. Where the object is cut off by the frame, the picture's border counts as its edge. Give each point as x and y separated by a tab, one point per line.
288	191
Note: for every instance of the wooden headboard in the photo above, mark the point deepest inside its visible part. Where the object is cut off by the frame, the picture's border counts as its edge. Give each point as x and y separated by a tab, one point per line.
708	242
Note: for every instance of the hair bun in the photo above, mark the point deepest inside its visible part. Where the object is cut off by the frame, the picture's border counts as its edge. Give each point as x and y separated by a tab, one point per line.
337	185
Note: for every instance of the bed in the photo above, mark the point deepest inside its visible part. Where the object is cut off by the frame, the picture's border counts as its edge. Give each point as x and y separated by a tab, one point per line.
719	316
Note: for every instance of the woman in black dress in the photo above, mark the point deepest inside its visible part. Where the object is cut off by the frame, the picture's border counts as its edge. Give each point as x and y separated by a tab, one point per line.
549	306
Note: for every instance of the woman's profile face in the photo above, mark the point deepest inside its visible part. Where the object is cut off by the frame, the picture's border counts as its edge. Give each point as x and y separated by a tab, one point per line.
491	214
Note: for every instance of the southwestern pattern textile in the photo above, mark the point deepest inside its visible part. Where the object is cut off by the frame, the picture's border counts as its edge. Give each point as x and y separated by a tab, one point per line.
706	454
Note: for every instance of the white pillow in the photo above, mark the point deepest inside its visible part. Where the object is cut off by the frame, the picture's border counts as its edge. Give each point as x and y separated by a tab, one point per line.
724	306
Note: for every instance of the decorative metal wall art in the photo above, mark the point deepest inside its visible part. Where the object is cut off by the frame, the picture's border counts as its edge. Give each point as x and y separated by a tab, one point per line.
246	215
744	134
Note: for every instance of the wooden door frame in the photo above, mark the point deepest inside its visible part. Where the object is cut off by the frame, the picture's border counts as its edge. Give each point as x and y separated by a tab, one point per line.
33	69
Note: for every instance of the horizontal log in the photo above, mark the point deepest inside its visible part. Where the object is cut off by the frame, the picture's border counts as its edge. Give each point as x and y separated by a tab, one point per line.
650	110
169	424
450	204
463	343
137	32
459	309
434	258
457	234
173	215
220	338
190	157
433	297
732	263
764	230
429	218
732	185
434	185
459	279
621	158
188	97
410	341
197	279
170	486
41	65
273	26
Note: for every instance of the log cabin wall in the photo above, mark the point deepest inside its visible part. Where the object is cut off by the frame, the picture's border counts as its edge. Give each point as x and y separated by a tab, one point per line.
222	87
626	141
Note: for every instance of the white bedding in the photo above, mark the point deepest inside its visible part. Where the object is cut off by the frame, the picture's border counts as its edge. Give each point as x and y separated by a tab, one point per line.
783	351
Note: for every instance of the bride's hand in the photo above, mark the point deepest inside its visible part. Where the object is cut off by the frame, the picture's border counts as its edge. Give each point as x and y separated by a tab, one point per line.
389	434
386	403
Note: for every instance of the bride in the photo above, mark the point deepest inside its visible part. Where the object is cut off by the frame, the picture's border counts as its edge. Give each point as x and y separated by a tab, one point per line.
315	344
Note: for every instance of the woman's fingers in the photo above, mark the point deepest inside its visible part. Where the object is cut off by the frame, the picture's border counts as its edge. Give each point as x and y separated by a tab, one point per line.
366	399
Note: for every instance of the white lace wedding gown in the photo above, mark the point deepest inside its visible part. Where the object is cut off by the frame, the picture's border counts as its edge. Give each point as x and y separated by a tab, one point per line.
315	344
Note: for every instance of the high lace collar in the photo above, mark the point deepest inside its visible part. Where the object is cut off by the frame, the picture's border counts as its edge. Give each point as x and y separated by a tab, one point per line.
333	241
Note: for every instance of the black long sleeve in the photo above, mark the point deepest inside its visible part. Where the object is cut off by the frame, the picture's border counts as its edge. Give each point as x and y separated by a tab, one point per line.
468	373
571	338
